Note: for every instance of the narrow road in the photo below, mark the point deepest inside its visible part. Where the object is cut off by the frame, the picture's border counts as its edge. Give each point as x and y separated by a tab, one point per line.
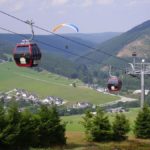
122	99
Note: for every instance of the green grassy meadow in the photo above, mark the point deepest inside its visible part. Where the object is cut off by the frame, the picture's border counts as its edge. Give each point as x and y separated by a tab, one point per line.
48	84
73	123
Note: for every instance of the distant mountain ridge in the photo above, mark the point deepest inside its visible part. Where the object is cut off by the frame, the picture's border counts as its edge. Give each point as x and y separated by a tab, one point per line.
95	37
137	39
49	42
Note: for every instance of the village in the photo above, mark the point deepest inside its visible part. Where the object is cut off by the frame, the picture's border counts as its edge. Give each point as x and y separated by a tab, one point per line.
21	95
27	99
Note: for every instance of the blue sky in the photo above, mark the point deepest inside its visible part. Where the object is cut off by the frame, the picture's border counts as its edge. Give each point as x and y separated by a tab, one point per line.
91	16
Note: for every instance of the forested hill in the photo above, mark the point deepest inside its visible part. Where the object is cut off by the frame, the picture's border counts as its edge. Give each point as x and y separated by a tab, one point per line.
58	45
58	60
95	37
137	39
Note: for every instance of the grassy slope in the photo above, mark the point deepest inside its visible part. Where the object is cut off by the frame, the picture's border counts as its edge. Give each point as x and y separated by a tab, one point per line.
45	84
73	123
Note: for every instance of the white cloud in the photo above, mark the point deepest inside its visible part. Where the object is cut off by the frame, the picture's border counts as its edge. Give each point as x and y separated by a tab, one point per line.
2	2
135	2
49	3
46	4
58	2
17	6
86	3
12	5
104	2
61	12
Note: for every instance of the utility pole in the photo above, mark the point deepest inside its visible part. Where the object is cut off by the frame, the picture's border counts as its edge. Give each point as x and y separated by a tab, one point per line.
139	69
142	84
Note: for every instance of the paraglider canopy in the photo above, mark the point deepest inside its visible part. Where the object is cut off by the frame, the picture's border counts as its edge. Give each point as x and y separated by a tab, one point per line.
72	26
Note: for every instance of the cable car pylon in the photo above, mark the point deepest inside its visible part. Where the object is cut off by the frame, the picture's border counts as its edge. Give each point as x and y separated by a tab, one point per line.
139	69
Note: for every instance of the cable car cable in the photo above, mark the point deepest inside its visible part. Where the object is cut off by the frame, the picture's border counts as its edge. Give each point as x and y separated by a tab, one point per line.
74	54
79	43
49	45
114	84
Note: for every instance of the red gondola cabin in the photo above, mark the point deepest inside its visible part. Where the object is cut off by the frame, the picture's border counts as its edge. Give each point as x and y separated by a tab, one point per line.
27	54
114	84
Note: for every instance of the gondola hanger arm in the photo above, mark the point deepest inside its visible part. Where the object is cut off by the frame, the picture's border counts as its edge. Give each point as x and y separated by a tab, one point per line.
30	22
110	74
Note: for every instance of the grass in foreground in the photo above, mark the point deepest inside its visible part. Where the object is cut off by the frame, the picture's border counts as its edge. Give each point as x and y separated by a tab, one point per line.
76	141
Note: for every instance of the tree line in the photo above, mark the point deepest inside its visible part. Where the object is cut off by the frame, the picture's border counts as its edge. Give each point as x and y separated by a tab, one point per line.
23	129
20	130
98	127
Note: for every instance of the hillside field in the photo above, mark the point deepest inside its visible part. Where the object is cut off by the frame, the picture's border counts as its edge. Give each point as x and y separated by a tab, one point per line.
47	84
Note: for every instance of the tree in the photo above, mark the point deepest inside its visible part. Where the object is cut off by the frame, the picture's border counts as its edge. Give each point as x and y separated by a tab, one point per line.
3	124
101	128
2	118
51	130
10	134
142	123
28	130
19	131
22	130
120	127
87	123
97	127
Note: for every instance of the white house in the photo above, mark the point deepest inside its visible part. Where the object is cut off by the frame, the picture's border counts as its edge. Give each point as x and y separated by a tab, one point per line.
82	105
139	92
